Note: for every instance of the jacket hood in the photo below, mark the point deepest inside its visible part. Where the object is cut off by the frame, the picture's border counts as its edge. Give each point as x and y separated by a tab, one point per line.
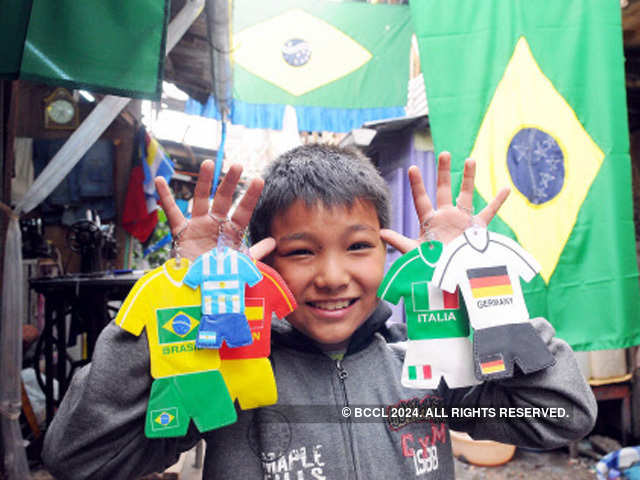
284	334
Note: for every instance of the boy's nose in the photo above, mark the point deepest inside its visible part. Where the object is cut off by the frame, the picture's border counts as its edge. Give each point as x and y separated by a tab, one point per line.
331	274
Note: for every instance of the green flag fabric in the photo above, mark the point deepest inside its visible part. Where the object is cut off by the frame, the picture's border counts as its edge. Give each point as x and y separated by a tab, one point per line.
535	93
13	29
310	52
108	47
339	64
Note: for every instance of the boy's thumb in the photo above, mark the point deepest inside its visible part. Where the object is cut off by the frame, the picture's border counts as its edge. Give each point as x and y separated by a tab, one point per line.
263	248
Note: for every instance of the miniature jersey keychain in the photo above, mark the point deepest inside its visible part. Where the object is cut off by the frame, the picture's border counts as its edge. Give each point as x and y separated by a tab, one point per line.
247	370
221	275
438	329
187	382
270	296
487	267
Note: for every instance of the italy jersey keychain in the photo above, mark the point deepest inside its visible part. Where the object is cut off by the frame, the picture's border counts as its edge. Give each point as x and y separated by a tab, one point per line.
221	274
487	268
438	328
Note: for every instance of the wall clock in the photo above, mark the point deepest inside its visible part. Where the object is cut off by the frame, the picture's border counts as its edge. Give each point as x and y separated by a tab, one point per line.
61	110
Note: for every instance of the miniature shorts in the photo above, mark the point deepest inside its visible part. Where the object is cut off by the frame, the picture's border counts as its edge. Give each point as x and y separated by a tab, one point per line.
497	349
175	400
427	361
251	381
230	327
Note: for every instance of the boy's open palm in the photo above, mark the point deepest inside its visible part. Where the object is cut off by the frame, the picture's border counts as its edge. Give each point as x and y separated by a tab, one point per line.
200	233
448	221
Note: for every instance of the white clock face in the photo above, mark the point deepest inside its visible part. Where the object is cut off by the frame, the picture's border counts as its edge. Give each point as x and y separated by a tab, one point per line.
60	111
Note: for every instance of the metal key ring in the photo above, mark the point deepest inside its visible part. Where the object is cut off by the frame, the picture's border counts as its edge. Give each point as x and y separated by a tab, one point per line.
178	235
219	220
467	210
426	221
240	232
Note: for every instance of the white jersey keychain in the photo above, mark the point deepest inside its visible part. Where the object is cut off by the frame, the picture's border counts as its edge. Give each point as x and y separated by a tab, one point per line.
487	267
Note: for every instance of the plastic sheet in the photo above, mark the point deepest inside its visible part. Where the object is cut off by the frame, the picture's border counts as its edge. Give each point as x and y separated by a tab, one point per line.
11	355
12	289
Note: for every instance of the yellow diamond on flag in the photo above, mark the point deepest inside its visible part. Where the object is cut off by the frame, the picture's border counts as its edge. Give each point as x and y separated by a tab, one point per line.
531	141
164	419
181	324
297	52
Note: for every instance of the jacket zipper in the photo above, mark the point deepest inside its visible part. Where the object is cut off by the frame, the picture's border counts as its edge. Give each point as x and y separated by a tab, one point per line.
342	375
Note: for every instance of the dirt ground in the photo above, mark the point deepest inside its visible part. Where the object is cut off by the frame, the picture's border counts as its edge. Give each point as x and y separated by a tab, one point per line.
552	465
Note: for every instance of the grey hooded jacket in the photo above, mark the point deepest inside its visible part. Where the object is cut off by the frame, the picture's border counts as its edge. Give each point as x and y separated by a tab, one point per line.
98	431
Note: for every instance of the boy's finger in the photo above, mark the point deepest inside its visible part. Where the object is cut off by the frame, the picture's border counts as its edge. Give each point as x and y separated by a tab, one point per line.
465	197
243	212
421	200
224	195
397	240
494	205
203	189
168	204
443	185
263	248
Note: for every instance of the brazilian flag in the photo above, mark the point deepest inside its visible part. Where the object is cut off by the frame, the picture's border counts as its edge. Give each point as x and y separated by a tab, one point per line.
114	47
177	324
534	91
315	55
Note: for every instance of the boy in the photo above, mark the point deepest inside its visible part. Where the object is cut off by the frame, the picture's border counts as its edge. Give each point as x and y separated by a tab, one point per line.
320	222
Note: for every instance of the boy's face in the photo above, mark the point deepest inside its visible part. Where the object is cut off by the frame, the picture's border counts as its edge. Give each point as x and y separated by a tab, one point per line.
333	261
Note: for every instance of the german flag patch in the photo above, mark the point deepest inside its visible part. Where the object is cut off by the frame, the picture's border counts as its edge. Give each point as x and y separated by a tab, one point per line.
492	364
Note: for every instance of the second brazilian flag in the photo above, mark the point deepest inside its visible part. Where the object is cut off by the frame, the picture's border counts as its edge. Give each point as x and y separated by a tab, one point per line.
535	93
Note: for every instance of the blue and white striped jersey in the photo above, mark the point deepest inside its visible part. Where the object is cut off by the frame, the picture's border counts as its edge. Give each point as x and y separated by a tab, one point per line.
221	275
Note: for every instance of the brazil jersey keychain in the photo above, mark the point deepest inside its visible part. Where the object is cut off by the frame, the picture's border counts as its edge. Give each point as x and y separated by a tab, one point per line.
187	382
438	328
487	268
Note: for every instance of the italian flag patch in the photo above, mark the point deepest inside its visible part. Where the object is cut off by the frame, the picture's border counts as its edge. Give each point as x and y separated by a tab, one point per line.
419	372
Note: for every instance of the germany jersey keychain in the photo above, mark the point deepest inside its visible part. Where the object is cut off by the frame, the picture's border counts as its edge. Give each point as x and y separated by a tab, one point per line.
487	268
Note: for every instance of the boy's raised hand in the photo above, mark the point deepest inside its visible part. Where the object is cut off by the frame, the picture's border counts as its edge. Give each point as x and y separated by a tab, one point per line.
448	221
200	233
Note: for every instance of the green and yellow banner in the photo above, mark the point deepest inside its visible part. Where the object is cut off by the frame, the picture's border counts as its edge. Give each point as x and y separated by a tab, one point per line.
535	93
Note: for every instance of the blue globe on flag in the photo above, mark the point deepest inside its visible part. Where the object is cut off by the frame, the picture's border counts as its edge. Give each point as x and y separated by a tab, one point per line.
181	324
536	165
296	52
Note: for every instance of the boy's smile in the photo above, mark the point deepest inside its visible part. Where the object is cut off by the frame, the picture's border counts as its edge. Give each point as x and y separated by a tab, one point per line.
332	259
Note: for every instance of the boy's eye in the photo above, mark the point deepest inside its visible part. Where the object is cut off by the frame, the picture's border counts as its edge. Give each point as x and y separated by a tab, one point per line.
297	252
360	246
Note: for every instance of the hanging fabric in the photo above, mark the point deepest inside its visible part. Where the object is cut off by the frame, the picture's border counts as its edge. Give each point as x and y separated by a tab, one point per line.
12	292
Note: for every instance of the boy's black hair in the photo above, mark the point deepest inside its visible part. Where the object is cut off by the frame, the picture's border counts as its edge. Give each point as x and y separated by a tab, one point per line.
316	172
